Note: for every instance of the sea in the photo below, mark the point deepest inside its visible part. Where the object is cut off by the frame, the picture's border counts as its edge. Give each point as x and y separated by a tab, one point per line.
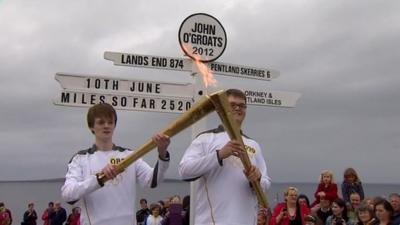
17	194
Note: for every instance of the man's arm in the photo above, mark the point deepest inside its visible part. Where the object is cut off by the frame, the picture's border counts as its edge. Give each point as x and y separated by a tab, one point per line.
197	160
151	177
76	185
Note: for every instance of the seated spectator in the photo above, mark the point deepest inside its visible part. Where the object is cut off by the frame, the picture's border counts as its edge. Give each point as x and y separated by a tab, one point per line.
327	187
351	184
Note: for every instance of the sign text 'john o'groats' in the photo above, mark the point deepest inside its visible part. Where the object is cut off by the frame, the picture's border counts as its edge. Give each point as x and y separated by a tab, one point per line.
202	37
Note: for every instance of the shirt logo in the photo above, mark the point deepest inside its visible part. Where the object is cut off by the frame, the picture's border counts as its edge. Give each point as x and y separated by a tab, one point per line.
236	162
115	161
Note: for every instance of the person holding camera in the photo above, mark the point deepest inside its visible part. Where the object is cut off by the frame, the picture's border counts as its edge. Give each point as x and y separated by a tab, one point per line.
339	216
289	212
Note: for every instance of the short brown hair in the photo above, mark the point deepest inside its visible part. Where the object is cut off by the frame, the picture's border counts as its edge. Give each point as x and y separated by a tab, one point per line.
236	93
100	110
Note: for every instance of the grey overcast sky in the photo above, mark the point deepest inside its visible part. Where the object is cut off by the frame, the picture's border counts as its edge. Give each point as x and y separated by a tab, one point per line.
342	56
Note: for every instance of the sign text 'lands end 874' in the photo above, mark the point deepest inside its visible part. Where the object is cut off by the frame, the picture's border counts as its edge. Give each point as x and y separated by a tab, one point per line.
202	37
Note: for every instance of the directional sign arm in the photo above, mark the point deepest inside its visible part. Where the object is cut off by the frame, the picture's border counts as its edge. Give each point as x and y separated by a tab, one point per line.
149	61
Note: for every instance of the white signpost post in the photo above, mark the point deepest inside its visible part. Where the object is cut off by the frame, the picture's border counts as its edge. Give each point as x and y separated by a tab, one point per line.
203	39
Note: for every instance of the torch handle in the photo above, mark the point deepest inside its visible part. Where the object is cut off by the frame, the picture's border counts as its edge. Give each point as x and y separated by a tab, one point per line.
222	107
194	114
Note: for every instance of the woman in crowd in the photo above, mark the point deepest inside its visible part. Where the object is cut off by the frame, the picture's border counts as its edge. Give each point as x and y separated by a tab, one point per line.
154	218
365	215
303	200
351	184
74	217
327	188
175	215
383	212
339	211
290	211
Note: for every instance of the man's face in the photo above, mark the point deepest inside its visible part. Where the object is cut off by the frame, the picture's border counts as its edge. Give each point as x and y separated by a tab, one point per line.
103	128
143	204
395	202
238	106
355	200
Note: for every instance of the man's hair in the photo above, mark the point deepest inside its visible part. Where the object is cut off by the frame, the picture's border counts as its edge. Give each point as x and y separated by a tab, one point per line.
394	195
101	110
143	200
236	93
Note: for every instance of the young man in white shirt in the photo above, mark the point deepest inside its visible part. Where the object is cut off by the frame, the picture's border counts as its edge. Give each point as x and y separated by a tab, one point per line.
224	194
112	202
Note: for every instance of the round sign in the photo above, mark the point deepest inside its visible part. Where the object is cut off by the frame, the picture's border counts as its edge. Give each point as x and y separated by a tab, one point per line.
202	37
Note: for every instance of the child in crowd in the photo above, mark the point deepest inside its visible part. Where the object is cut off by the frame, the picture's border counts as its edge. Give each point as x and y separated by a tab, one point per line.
351	184
327	188
154	218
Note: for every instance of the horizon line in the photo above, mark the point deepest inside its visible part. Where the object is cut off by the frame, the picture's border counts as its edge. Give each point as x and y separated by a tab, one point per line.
179	180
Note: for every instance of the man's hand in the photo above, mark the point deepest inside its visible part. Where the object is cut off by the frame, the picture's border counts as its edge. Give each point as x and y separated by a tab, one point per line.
162	141
110	171
253	174
233	147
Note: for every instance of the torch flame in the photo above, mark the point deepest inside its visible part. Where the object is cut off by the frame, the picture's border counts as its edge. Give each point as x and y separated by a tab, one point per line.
207	75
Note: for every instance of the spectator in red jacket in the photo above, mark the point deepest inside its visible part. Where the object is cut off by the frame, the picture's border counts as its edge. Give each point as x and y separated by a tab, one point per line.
74	217
47	212
327	188
290	211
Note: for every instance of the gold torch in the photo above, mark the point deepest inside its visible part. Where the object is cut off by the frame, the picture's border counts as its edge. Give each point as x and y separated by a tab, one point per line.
220	102
217	101
203	107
